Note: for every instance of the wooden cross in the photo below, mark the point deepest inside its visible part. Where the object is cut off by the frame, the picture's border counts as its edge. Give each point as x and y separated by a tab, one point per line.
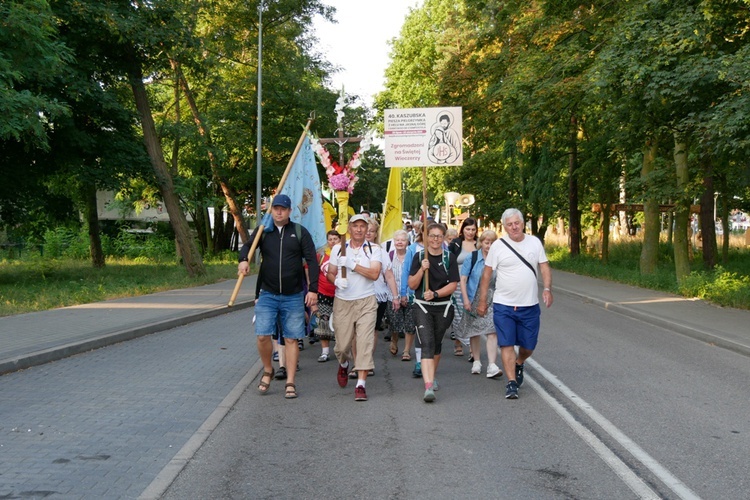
340	141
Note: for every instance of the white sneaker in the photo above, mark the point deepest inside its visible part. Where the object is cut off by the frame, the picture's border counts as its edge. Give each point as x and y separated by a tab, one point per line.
476	368
323	358
494	371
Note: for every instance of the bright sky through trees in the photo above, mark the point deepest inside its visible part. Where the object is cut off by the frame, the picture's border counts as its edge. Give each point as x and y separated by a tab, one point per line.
358	44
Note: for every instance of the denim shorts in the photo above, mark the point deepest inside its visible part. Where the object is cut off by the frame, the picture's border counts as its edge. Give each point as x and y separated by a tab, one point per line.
517	325
274	309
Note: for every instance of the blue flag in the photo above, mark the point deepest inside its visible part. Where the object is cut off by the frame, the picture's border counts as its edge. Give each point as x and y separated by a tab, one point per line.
302	186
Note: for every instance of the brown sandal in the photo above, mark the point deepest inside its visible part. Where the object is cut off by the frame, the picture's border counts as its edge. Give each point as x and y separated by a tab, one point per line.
406	356
263	386
291	391
394	345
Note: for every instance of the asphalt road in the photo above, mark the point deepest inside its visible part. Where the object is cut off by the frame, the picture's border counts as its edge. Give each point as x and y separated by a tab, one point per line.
612	408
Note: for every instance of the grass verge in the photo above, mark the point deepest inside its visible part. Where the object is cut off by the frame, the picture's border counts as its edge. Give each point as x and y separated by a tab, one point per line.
727	285
38	284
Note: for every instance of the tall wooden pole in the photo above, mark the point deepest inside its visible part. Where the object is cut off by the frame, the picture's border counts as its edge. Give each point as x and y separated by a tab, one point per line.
424	224
259	232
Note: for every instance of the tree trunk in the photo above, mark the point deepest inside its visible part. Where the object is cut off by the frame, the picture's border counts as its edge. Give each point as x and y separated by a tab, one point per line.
682	211
188	250
575	214
670	225
209	235
650	249
708	224
623	224
178	118
606	216
222	230
725	226
229	194
199	222
542	231
228	232
92	220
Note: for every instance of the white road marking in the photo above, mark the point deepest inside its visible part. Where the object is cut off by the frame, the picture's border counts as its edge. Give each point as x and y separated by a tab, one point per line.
618	466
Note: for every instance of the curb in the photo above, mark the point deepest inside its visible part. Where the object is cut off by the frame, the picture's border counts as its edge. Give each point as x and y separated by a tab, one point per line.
680	328
66	350
169	473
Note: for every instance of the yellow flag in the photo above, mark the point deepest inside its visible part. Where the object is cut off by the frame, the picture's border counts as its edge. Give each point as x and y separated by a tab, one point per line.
393	206
329	213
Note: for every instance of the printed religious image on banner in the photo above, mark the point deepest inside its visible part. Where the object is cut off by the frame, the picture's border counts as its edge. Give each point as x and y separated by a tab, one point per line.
423	137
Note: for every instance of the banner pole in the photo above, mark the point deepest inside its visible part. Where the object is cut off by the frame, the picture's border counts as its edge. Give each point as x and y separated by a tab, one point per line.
259	232
424	224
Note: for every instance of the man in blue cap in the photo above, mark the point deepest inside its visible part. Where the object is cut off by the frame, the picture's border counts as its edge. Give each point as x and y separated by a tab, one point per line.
282	300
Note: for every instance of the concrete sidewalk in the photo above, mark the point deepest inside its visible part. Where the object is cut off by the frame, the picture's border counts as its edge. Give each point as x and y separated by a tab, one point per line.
31	339
35	338
724	327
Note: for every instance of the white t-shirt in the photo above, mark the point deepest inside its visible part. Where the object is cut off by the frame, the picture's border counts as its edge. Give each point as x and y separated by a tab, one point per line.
515	284
382	291
358	287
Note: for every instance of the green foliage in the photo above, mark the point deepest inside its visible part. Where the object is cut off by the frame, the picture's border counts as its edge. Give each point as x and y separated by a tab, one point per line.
73	243
30	59
41	283
560	98
62	242
537	81
373	182
80	55
721	286
148	248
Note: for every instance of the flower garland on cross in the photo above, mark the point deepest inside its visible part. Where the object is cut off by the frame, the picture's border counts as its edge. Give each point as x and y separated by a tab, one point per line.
342	175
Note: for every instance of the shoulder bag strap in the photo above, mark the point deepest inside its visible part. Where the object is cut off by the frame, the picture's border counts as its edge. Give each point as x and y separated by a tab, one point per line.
519	256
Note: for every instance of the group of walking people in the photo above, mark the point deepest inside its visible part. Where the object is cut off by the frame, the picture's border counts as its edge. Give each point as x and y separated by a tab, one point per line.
420	290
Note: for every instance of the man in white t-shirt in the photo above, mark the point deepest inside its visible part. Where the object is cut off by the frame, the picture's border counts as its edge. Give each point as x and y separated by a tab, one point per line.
355	307
515	258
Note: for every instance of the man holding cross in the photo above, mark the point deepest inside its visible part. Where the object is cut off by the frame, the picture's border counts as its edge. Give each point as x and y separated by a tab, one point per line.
354	272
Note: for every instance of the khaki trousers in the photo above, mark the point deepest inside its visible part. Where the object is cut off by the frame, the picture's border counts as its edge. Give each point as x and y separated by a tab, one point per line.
355	318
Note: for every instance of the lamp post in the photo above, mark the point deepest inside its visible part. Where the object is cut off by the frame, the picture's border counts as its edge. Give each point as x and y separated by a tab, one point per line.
259	140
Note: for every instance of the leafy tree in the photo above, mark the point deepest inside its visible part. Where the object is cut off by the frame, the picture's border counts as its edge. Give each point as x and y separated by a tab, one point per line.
30	58
223	76
32	61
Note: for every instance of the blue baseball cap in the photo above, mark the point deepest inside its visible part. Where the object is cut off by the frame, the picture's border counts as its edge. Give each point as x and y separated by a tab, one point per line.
282	200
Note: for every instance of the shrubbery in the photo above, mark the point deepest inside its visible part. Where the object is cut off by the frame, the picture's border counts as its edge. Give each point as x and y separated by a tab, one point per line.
69	243
726	286
729	289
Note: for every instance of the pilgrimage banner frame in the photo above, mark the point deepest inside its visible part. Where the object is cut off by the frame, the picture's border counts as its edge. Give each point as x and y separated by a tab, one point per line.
423	137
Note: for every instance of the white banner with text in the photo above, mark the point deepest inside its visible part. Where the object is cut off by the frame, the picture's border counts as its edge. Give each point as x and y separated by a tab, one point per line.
424	137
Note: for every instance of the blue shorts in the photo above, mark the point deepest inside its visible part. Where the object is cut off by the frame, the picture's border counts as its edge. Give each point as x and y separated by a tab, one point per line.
273	309
516	325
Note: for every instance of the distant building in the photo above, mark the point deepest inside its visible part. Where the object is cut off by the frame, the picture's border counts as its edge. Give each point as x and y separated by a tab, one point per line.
740	221
107	209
